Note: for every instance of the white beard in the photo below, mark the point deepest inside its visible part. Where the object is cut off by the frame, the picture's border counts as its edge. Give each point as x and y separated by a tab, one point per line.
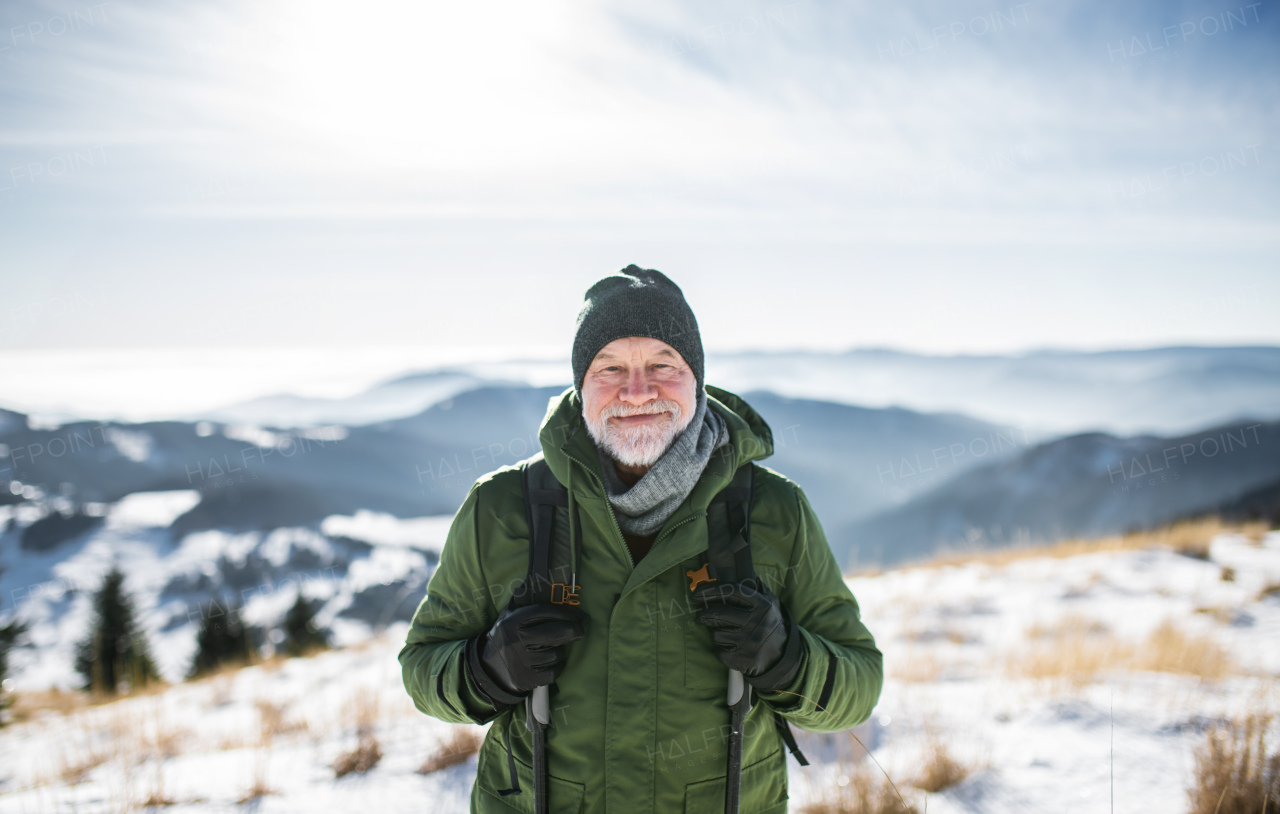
642	445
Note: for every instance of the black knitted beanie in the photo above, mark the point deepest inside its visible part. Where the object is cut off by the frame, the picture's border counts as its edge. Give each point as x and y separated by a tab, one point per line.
635	302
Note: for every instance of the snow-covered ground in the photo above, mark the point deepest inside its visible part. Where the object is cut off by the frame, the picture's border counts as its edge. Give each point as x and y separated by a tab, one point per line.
960	642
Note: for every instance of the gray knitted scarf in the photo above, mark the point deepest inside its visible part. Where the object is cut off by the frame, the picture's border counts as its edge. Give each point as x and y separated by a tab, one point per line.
643	508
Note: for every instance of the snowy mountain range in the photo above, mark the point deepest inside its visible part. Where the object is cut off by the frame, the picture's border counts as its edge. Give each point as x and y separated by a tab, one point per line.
285	490
1163	391
849	458
1081	486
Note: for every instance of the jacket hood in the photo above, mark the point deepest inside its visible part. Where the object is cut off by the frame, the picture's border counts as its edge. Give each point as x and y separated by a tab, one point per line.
567	445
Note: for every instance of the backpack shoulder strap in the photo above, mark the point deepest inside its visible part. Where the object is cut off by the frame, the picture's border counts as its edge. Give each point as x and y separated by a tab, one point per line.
729	556
546	503
729	529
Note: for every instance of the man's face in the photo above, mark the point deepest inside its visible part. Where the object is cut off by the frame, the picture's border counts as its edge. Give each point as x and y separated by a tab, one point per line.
637	396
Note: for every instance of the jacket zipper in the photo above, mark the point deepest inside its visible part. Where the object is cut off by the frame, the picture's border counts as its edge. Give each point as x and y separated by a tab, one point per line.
609	507
688	519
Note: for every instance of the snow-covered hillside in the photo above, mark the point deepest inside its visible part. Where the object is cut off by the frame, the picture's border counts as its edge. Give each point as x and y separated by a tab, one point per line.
1078	684
367	570
1058	674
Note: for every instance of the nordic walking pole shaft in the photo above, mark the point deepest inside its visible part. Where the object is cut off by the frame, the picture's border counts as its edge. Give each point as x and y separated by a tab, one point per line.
739	701
538	715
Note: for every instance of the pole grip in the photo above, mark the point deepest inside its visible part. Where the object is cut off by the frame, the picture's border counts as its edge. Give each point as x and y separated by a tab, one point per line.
736	686
540	706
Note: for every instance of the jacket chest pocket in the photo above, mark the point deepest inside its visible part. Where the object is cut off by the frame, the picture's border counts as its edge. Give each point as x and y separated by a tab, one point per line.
702	668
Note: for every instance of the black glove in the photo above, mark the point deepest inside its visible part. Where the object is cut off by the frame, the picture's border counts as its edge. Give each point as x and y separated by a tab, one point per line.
752	631
525	648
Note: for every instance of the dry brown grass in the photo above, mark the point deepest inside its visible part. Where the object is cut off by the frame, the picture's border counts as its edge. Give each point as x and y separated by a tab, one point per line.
462	744
161	801
912	665
940	769
221	690
860	789
1188	537
1191	538
938	633
123	736
258	787
1076	649
164	744
361	709
273	663
1169	650
1255	530
158	801
361	759
1067	626
270	719
74	768
30	704
1220	614
88	743
273	721
1270	589
229	742
157	797
226	670
1235	774
149	734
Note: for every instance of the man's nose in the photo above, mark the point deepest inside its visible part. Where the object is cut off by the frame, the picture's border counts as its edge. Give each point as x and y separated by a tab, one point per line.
639	388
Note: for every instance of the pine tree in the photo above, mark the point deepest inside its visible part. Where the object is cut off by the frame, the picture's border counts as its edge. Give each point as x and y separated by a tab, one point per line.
301	633
115	651
222	639
9	635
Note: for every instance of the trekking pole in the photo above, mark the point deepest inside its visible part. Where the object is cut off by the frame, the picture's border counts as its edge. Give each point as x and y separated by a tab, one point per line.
537	716
739	700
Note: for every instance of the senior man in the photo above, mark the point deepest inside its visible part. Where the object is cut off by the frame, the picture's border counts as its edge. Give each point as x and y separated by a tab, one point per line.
629	607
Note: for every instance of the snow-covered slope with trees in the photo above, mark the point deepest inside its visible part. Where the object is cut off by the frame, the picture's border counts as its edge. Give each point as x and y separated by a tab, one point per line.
1063	683
367	570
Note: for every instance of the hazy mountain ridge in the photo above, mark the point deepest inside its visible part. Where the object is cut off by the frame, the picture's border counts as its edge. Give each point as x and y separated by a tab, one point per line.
852	461
396	398
392	466
1080	486
1165	391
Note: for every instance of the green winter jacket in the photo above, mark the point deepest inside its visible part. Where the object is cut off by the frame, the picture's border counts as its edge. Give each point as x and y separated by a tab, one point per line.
639	720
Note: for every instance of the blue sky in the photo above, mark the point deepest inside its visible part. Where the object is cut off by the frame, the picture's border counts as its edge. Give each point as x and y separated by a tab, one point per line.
959	177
